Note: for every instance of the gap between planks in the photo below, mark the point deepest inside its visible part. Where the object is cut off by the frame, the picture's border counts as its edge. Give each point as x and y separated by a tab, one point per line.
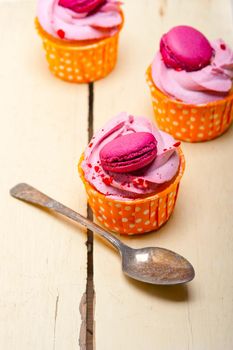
90	293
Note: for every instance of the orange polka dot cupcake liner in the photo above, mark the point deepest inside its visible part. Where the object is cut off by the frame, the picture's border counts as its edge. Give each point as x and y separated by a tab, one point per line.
136	216
187	122
77	62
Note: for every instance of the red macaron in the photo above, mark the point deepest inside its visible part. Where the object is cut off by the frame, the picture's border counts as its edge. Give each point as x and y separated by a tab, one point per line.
185	48
81	6
129	152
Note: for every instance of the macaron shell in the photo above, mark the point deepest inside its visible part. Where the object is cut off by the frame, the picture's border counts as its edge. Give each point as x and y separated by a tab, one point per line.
129	152
184	47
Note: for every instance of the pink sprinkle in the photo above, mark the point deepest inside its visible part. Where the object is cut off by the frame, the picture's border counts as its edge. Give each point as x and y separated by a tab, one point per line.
223	46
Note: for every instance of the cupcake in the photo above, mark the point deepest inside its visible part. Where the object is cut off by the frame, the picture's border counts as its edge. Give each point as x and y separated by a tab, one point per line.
80	37
190	80
131	172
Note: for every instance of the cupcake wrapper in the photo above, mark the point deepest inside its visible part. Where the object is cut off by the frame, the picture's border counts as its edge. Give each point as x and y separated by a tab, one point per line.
79	63
134	216
187	122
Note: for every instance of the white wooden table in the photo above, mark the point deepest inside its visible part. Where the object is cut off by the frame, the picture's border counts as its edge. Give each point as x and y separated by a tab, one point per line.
43	270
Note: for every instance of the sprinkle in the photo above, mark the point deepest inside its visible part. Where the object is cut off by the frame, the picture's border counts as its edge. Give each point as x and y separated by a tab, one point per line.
93	177
90	145
165	149
61	33
223	46
97	168
176	144
108	180
89	165
178	69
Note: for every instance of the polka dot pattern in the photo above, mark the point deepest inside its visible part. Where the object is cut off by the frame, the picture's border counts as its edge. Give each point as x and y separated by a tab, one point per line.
136	216
188	122
80	63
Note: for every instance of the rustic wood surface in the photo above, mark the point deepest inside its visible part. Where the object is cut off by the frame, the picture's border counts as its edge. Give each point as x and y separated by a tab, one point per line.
43	269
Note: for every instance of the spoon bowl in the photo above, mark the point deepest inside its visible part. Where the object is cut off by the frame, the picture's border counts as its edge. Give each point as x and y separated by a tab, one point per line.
151	265
156	265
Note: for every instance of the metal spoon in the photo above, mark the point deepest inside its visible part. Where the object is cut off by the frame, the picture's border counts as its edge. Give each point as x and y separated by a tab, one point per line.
151	265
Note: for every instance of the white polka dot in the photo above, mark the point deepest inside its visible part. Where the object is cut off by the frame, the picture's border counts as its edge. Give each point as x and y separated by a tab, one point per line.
167	129
69	69
70	77
175	123
117	205
173	111
215	116
146	212
168	119
193	110
201	127
162	120
160	110
62	59
102	209
138	220
77	70
217	122
120	212
147	222
200	134
61	67
163	214
100	201
116	228
128	208
191	127
67	54
178	134
192	119
183	130
99	218
61	74
185	111
210	133
104	217
181	117
124	220
154	223
68	61
170	203
153	214
131	225
138	209
155	100
52	56
107	225
114	221
100	62
139	229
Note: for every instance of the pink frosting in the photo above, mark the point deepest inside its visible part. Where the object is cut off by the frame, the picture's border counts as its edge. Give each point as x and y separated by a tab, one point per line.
151	179
56	19
208	84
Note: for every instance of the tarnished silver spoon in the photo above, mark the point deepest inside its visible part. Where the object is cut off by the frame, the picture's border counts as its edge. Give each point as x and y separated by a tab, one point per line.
151	264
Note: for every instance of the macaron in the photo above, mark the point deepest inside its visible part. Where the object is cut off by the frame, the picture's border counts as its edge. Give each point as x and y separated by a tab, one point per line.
129	152
185	48
81	6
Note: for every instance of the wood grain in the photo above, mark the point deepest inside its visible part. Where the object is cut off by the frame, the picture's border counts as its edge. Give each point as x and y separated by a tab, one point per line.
43	132
197	316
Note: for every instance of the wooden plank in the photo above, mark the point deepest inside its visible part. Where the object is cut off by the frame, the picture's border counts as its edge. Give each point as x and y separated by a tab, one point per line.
131	315
43	257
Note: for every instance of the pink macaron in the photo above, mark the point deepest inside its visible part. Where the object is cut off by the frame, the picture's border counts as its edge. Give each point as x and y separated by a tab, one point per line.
82	6
129	153
185	48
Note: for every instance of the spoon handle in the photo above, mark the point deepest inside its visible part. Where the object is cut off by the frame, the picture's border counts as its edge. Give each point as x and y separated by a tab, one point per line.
30	194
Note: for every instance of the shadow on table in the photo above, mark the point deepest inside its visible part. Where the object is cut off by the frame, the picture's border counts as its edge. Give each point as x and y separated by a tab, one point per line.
178	293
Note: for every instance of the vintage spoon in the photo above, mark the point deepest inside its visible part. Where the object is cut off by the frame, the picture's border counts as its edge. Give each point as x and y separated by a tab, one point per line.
151	265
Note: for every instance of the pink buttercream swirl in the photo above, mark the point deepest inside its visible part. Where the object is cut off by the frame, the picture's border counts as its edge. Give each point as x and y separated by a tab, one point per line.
65	23
208	84
150	179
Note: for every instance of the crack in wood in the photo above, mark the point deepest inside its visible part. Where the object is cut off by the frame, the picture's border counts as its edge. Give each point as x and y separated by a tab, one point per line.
86	307
55	321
